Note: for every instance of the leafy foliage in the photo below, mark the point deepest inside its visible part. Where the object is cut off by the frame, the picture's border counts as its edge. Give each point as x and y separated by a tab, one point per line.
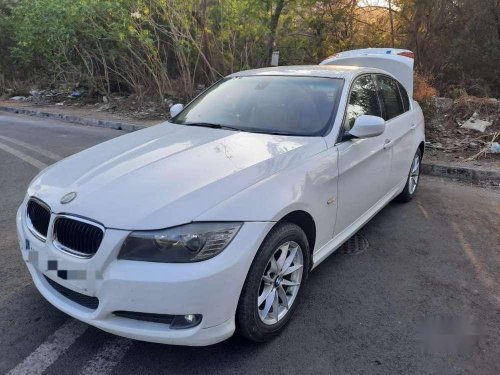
167	47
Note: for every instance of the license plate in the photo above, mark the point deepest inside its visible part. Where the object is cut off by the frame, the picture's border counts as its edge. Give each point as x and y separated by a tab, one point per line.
31	253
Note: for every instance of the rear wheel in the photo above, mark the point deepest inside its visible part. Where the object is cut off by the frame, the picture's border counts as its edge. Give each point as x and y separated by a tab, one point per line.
410	188
274	283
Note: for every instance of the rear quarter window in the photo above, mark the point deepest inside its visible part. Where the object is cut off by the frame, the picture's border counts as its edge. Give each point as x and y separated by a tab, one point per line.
391	99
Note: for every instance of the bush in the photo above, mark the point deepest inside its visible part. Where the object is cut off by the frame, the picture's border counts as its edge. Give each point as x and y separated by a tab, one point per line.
425	93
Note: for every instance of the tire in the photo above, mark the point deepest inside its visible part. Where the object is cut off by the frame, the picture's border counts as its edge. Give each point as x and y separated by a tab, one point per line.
252	322
413	179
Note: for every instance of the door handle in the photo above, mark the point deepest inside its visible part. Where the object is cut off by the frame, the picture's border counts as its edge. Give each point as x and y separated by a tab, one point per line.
388	143
413	126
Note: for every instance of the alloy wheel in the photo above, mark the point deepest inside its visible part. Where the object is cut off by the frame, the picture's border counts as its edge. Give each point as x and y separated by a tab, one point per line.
280	282
414	174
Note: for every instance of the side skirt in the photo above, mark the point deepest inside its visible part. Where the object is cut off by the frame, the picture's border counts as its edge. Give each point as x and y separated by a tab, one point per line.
332	245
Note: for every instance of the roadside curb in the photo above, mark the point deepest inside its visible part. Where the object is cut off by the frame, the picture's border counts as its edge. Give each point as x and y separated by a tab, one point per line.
472	175
74	119
466	174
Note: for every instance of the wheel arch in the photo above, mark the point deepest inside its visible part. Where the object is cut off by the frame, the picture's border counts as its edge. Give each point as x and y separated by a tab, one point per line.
305	221
421	147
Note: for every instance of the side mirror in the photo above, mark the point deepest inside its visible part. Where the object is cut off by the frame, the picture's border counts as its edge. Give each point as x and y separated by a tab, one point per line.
175	109
367	126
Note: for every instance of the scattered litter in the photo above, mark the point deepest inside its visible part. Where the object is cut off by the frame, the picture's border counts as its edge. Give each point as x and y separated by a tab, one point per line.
475	123
478	121
495	148
105	99
75	94
35	93
18	98
485	149
52	94
60	103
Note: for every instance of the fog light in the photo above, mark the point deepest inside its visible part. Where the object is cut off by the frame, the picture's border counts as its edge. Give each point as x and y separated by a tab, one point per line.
186	321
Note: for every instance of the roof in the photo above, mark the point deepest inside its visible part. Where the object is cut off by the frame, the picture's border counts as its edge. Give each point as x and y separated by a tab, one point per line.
332	71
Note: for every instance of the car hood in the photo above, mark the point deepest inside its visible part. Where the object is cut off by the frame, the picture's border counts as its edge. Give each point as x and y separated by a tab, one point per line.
166	175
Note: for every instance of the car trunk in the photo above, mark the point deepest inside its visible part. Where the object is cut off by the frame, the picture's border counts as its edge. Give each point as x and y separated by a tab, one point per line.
398	62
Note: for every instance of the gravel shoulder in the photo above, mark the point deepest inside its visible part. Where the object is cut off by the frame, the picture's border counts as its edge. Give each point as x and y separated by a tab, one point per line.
81	111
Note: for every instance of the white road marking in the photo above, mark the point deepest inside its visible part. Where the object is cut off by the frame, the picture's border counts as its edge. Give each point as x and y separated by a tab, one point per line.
484	276
24	157
48	352
424	211
49	154
108	356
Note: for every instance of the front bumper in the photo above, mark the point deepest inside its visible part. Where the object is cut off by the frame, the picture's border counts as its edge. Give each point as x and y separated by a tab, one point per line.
211	288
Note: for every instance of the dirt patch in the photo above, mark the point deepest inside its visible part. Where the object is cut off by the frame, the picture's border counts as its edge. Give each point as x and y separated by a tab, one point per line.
450	141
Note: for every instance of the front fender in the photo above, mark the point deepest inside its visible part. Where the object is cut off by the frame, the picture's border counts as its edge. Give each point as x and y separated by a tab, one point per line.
307	186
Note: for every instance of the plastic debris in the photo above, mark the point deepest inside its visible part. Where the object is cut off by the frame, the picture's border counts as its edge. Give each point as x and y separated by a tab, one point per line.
475	123
18	98
495	148
75	94
35	93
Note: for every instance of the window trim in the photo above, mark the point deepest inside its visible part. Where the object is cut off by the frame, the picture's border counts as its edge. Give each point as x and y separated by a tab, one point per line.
341	133
401	95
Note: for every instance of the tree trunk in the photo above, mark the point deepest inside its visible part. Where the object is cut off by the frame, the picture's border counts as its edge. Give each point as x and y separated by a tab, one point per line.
202	19
272	29
392	23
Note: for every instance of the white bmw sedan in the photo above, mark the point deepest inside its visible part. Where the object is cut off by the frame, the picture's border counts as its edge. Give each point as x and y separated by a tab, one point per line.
210	223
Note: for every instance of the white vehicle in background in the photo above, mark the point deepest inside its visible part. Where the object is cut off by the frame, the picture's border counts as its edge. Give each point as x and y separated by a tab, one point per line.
184	232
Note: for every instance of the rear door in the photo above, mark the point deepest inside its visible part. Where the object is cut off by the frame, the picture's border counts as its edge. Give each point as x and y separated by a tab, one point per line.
400	126
364	164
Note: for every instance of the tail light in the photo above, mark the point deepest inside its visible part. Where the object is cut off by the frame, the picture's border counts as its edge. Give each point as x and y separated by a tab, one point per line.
409	54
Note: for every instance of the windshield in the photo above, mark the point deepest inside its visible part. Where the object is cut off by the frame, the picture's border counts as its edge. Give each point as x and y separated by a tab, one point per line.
287	105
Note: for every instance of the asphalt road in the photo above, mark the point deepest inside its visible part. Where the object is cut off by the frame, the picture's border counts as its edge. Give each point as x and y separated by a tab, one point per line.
424	298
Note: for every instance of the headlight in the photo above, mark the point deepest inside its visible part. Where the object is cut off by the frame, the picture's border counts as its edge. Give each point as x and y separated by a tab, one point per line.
183	244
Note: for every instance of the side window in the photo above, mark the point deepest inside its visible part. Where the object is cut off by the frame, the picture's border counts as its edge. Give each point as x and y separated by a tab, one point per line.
391	99
362	101
404	96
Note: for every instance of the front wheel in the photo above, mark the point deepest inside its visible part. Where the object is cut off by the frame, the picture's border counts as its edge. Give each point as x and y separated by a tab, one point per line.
413	178
274	283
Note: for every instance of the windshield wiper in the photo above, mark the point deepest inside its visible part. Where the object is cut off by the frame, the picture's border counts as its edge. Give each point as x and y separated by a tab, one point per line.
211	125
227	127
270	132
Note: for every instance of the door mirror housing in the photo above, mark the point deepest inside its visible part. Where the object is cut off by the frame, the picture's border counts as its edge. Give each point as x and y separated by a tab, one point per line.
367	126
175	109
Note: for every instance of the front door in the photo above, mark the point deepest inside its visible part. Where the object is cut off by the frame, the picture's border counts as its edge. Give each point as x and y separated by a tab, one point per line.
364	164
